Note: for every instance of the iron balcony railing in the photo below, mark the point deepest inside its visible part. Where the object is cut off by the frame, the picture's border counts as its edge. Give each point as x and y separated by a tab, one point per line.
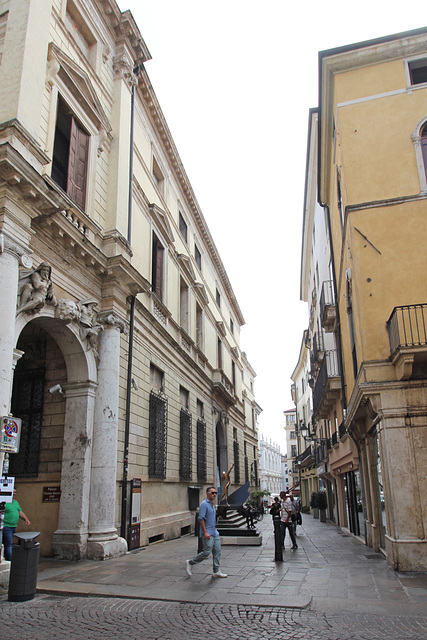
407	327
334	438
327	298
342	430
307	453
330	368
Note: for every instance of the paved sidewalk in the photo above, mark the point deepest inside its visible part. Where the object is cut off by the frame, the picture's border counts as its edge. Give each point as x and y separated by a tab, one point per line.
330	571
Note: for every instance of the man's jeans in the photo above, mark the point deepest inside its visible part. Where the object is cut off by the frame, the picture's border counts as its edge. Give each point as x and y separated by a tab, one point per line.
213	545
7	541
289	526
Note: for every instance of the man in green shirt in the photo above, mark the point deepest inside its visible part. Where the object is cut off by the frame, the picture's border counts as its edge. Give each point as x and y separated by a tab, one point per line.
12	513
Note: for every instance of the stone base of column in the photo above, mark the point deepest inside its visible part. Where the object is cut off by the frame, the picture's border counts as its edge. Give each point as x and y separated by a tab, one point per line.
4	576
406	555
106	547
69	545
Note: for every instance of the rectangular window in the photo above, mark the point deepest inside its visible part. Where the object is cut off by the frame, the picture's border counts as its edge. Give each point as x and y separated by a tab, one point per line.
219	354
158	176
184	397
157	267
198	257
156	378
184	306
70	155
157	436
201	450
293	450
218	298
418	71
199	326
183	228
185	445
233	374
231	326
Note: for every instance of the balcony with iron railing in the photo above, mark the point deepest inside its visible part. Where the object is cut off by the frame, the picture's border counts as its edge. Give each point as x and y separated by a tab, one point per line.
407	330
328	384
307	457
328	310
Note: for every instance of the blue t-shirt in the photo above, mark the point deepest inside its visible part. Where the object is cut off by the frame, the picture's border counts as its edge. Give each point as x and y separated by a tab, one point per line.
208	514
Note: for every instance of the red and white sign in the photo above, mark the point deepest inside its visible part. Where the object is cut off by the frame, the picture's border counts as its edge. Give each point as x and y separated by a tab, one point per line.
10	434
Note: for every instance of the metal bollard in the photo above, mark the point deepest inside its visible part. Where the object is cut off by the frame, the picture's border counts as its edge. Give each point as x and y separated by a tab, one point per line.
278	553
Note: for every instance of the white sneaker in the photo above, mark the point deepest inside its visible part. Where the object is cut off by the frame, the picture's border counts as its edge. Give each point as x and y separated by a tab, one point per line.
219	574
188	567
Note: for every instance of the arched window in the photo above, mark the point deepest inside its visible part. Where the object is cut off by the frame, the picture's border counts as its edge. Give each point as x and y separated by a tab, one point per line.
419	138
424	146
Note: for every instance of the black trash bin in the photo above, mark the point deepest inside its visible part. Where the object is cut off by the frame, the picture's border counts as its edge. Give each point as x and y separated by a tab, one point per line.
24	566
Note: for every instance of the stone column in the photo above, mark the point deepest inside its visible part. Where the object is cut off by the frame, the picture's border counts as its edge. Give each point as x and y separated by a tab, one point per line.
70	539
11	253
103	539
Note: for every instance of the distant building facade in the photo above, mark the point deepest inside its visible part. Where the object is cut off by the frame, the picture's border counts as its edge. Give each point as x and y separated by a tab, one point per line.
271	472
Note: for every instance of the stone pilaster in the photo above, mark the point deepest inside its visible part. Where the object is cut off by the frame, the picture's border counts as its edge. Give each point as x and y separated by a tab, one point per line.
70	539
12	253
103	539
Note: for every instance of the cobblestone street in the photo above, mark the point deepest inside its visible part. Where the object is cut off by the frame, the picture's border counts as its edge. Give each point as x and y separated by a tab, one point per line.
112	618
331	588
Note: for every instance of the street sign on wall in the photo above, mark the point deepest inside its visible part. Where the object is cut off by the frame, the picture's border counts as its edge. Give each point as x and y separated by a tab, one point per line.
10	434
6	489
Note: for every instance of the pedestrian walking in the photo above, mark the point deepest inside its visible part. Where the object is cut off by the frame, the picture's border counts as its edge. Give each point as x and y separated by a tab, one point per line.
12	514
286	523
211	539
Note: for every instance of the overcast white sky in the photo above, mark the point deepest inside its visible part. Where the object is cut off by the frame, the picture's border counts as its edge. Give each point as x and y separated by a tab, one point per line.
235	80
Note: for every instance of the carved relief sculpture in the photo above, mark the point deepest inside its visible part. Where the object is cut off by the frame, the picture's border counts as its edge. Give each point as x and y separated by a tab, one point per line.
89	327
35	289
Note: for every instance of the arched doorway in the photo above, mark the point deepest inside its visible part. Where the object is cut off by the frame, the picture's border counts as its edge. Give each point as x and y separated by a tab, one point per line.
55	428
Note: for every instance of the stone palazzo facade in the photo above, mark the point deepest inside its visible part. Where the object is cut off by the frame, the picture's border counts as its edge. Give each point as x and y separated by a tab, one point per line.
120	342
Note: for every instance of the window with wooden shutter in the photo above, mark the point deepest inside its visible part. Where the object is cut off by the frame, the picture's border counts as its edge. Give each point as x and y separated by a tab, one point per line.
70	155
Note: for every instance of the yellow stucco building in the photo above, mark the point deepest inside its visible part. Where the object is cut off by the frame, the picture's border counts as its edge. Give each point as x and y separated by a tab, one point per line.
372	166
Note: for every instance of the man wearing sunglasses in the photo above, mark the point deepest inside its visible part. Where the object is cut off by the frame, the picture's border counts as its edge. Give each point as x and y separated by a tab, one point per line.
211	539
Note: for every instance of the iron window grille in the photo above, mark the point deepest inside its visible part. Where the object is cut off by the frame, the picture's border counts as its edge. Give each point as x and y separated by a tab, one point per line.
185	445
201	451
157	435
236	462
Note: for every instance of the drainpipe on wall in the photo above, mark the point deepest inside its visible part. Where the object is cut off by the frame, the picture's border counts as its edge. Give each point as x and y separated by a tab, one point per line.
137	70
123	531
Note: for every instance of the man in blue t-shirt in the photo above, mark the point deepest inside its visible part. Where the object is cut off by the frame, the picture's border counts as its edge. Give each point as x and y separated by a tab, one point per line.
12	513
211	539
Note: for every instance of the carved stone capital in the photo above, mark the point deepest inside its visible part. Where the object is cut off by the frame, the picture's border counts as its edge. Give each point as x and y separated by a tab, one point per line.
21	253
110	319
123	68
